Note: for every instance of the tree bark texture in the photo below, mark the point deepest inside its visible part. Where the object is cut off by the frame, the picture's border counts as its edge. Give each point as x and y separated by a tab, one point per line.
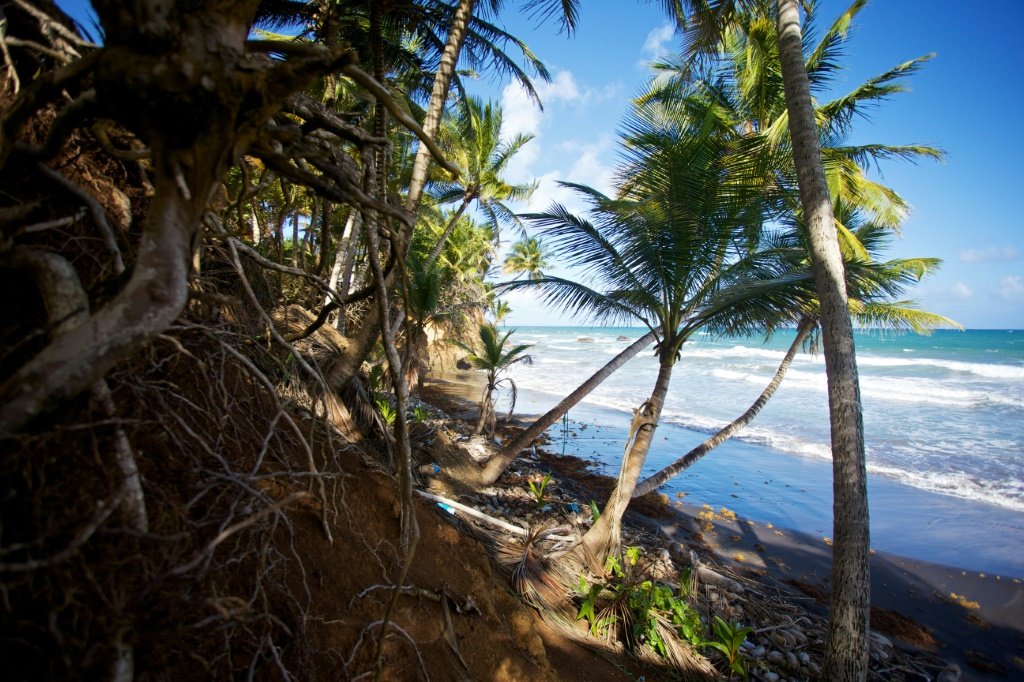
847	650
603	538
734	427
438	98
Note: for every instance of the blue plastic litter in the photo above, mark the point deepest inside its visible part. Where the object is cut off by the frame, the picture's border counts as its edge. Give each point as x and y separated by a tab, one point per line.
447	507
573	507
437	469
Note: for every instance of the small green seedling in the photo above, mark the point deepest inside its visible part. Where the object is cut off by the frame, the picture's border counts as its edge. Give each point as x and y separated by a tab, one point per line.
387	411
728	639
595	511
538	488
419	414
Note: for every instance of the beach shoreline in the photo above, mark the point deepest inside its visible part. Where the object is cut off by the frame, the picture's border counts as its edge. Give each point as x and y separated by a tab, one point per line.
967	617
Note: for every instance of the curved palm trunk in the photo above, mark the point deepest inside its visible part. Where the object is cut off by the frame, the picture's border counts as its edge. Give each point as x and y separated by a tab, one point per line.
846	656
438	97
497	464
603	538
694	455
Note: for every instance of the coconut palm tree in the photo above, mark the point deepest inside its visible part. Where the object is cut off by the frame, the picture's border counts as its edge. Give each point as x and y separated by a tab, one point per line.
709	25
658	254
495	357
527	256
873	287
500	310
750	69
472	139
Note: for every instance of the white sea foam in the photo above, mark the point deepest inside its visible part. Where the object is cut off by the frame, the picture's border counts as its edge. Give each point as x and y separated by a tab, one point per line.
892	389
983	369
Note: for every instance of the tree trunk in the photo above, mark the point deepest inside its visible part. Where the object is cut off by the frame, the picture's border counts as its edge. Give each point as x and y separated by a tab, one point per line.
438	98
149	303
295	238
603	538
497	464
847	651
694	455
431	122
343	265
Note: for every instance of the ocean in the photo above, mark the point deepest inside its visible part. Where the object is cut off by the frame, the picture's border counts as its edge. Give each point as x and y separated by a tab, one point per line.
943	415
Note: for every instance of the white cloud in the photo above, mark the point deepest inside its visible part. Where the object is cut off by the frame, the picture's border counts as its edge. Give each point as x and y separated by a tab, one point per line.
654	45
991	254
521	115
960	291
1011	288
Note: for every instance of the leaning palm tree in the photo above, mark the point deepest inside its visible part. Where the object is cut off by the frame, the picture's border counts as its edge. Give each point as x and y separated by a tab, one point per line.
873	289
750	70
710	24
527	256
658	254
494	356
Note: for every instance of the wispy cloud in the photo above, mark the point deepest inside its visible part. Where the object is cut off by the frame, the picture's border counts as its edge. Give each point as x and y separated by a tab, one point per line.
1011	288
520	114
991	254
960	292
655	45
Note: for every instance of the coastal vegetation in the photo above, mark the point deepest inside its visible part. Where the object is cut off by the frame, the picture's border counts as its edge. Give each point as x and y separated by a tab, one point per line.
233	256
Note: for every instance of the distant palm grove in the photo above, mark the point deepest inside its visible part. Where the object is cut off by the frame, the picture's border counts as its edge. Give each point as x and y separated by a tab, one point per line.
236	232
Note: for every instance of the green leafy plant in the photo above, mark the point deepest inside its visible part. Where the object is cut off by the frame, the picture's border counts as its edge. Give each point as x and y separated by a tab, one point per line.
595	511
537	489
387	411
728	639
420	415
588	607
655	613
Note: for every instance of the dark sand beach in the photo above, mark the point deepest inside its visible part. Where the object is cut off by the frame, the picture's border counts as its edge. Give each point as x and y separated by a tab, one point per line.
966	617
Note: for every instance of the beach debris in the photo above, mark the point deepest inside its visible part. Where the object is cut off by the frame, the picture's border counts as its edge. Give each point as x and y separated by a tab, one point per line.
706	575
951	673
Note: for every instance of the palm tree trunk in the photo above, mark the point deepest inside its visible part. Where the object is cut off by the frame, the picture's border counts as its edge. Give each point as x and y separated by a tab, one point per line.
449	228
847	651
694	455
497	464
438	97
431	122
603	538
486	407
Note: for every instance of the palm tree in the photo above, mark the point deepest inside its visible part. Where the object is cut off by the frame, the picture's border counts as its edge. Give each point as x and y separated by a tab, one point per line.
473	141
493	356
847	648
527	256
873	287
500	310
751	72
658	254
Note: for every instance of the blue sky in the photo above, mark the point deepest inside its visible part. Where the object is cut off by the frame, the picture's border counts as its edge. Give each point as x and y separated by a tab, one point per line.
962	101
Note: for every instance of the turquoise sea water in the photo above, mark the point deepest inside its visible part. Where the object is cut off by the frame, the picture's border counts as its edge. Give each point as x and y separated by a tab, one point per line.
944	421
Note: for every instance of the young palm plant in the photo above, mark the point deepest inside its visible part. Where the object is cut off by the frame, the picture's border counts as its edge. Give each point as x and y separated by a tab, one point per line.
495	356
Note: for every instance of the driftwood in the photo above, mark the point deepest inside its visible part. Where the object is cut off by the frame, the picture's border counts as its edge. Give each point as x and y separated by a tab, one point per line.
498	523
